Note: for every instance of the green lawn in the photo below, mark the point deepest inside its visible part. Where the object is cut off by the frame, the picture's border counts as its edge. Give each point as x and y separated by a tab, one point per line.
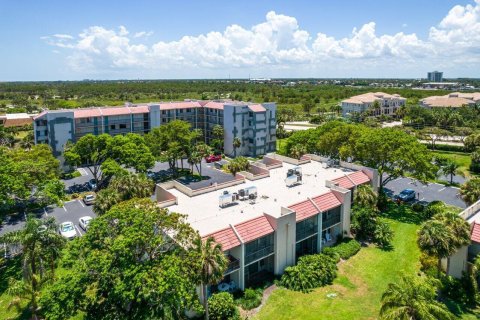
11	270
461	158
360	283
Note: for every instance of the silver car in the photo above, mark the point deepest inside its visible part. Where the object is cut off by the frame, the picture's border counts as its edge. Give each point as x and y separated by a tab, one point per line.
67	230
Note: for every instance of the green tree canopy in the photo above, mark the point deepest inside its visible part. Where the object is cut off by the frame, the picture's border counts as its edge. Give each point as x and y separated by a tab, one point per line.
131	264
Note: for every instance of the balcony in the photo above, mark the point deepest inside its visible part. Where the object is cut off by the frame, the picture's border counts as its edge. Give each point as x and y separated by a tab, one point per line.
233	264
306	232
258	254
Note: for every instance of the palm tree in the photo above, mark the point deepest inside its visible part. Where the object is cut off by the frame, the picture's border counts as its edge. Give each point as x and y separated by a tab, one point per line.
470	190
212	263
297	151
237	143
105	199
450	169
41	246
132	186
459	228
436	239
364	196
412	299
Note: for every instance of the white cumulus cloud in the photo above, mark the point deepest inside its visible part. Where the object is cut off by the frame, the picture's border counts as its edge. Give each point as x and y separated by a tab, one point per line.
279	42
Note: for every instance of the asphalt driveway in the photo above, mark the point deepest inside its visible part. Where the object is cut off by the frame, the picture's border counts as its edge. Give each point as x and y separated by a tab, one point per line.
428	192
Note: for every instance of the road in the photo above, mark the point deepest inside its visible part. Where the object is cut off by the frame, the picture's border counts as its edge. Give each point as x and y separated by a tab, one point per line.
428	192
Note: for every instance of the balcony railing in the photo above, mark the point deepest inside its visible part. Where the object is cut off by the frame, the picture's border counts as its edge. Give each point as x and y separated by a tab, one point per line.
233	264
258	254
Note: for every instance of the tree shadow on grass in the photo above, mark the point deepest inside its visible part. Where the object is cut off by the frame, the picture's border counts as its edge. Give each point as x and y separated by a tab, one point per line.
459	309
402	213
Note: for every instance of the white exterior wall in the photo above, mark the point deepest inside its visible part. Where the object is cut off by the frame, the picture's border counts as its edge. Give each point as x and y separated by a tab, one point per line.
456	264
154	116
285	236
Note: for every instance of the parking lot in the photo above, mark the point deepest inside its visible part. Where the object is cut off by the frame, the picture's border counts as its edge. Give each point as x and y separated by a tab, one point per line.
428	192
70	211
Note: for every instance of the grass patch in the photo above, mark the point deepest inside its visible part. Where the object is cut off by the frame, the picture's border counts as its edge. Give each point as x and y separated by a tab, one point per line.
361	281
461	158
11	269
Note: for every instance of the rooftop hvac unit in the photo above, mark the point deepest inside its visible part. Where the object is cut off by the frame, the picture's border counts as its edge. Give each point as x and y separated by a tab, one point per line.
226	199
246	192
294	176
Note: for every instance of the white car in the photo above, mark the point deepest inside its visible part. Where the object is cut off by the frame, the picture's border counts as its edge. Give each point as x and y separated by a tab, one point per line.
67	230
84	222
89	199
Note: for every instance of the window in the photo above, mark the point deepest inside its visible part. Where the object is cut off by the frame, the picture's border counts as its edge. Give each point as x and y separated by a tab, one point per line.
181	110
164	112
112	127
123	126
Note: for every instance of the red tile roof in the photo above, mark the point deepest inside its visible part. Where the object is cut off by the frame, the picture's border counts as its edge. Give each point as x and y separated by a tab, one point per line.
475	234
179	105
304	210
87	113
140	109
254	228
226	237
326	201
353	179
214	105
257	108
359	177
115	111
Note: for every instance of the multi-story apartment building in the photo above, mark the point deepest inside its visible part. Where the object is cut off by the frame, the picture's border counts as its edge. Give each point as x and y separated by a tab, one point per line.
263	234
387	103
254	124
435	76
452	100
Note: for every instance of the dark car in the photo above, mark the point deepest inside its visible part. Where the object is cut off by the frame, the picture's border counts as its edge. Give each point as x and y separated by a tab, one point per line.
92	184
406	195
213	158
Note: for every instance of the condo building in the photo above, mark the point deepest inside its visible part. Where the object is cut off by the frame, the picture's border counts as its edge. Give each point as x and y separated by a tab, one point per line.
254	124
387	104
268	217
435	76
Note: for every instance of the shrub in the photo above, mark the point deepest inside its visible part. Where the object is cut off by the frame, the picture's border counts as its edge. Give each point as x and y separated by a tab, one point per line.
417	207
222	307
446	147
383	235
251	299
364	221
311	272
433	208
428	263
344	250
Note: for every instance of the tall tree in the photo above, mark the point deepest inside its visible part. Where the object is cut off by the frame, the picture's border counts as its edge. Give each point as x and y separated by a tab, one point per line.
450	169
213	264
393	153
94	151
41	245
132	264
29	176
412	299
364	196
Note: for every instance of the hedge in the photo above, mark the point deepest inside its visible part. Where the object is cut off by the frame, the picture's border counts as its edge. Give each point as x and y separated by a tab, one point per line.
344	249
312	271
446	147
251	299
222	307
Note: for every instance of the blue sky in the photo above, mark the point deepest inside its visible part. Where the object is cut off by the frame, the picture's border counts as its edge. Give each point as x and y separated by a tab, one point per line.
66	40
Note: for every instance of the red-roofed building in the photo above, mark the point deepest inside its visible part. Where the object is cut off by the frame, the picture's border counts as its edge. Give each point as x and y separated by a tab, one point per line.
352	180
253	229
475	234
226	237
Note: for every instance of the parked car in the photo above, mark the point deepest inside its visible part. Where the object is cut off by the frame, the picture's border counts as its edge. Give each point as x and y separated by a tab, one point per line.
67	230
213	158
92	184
84	222
406	195
89	199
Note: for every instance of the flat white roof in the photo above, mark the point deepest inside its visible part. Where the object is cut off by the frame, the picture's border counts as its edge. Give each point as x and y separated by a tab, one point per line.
204	213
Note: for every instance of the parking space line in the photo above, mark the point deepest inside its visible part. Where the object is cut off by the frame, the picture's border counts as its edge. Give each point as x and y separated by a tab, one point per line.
64	208
78	230
45	211
81	202
442	189
82	171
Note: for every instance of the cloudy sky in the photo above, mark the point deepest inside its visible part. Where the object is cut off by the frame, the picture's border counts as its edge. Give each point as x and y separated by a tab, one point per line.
58	40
